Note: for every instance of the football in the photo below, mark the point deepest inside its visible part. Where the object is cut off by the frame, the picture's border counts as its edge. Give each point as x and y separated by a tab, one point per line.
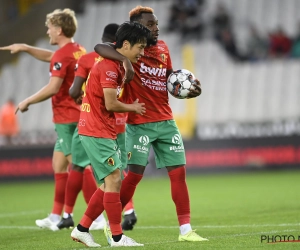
180	82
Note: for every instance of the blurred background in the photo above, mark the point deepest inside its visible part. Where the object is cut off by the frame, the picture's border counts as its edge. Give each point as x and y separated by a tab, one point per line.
246	54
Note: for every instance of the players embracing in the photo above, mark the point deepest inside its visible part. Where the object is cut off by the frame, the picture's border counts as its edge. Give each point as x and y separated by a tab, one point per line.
157	127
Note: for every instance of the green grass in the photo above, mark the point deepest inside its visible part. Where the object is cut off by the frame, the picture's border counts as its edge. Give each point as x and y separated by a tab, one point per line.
231	210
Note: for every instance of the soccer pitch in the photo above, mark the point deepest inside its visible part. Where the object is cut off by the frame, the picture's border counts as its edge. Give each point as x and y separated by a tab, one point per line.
232	210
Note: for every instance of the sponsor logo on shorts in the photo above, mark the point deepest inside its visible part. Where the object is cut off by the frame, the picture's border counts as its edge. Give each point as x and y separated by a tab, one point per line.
144	139
76	67
141	149
176	139
111	162
177	148
111	74
61	140
129	155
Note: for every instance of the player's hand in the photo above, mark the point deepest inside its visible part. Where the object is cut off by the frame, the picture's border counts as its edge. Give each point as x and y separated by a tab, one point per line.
197	89
22	106
78	100
129	71
14	48
139	107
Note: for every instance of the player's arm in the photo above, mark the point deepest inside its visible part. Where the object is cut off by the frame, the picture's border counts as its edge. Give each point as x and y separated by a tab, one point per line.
43	94
39	53
75	90
169	72
114	105
107	51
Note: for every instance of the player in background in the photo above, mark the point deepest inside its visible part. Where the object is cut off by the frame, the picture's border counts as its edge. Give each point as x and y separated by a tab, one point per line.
84	66
62	25
98	134
157	127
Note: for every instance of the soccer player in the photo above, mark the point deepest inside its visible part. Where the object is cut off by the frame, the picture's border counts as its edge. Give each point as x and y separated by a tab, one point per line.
84	66
62	25
157	127
98	133
75	180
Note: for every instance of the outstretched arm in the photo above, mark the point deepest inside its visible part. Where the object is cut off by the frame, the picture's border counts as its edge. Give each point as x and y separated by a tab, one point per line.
40	54
43	94
107	51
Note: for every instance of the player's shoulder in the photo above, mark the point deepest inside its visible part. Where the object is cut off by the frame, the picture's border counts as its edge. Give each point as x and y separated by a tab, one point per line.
161	45
90	55
77	46
104	64
109	62
70	50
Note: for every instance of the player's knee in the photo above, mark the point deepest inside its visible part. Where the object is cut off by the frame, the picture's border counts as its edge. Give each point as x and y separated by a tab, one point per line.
137	169
170	168
77	168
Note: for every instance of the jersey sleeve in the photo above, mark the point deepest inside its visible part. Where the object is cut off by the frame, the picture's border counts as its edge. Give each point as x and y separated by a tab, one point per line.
59	64
82	69
109	75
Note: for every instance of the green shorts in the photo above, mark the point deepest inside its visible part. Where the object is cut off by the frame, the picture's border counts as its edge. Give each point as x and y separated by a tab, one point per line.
165	139
122	145
104	155
79	156
64	137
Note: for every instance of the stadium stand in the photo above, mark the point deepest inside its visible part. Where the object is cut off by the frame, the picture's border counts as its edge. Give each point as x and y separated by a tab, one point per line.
232	92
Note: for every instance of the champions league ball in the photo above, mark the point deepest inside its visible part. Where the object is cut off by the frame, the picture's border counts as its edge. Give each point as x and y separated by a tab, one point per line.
180	82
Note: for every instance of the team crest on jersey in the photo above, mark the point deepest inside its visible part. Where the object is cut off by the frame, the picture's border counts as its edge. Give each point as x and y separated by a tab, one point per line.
57	66
163	57
111	162
129	155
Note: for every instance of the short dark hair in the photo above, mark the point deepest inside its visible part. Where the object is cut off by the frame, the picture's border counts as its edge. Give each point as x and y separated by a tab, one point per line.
133	32
109	32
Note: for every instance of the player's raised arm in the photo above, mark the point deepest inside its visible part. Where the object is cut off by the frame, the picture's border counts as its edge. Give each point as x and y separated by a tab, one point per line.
39	53
107	51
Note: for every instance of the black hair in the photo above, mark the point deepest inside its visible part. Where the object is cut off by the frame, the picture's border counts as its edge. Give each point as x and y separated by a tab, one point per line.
133	32
109	32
